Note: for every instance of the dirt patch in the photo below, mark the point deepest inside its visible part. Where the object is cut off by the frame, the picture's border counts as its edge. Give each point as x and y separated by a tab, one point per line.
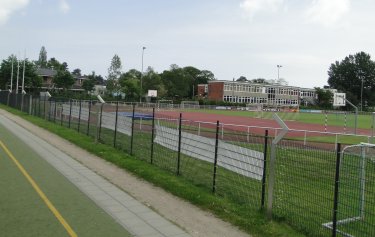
194	220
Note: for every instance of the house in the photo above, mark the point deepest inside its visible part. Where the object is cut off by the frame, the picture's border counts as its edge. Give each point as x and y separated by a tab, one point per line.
47	76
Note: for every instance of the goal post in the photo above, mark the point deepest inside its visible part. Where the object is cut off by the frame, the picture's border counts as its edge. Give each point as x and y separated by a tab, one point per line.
193	104
356	191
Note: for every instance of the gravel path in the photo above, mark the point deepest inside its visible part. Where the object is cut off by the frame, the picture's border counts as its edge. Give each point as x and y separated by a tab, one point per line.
194	220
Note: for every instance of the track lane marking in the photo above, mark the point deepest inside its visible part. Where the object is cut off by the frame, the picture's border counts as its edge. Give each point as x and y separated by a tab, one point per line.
49	204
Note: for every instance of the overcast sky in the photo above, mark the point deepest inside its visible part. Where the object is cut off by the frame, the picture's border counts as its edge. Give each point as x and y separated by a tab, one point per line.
231	38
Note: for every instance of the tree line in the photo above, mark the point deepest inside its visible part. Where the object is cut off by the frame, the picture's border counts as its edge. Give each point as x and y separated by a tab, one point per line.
354	75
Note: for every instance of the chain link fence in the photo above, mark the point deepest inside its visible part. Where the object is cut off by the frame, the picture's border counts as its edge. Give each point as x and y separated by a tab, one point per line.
320	190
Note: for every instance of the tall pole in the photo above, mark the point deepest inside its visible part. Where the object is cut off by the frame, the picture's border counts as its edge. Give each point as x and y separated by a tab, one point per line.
141	93
11	76
361	93
18	73
23	74
233	91
278	72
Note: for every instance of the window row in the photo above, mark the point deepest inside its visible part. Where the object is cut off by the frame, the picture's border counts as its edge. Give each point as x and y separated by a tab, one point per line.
259	100
243	88
268	90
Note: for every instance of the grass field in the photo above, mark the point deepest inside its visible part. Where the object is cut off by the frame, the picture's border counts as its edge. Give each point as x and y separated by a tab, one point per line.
24	213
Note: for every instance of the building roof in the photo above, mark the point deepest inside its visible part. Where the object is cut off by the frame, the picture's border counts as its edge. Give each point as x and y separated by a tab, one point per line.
46	72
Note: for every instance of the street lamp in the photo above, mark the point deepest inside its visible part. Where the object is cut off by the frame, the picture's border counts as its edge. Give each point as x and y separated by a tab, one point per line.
278	72
362	93
140	96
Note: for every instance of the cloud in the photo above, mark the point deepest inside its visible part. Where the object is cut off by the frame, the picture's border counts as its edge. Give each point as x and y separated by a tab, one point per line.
64	6
251	7
7	7
327	12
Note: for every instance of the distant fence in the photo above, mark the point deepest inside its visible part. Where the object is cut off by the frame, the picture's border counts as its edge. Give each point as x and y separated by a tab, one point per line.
231	161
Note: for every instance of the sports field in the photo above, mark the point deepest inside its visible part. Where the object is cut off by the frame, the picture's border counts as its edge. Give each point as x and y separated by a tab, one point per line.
36	200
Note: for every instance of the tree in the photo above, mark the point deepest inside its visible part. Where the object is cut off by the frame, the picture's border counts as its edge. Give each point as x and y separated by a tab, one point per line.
114	73
42	61
282	81
260	81
178	82
355	73
77	72
242	79
32	80
88	85
152	81
324	98
97	79
63	79
130	83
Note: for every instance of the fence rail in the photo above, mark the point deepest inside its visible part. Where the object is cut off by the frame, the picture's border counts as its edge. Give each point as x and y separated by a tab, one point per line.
231	161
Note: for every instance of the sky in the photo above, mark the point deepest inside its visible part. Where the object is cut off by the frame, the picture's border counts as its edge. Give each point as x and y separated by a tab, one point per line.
231	38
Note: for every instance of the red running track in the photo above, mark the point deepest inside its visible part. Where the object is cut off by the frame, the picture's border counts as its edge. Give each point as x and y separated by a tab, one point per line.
248	121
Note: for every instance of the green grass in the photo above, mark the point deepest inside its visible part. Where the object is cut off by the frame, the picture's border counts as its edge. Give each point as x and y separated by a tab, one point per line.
246	218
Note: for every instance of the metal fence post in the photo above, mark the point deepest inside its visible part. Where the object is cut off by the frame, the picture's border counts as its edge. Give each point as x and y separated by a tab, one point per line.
79	115
49	110
22	97
179	145
54	111
115	135
264	168
100	120
8	98
88	119
215	157
39	107
61	113
31	104
132	134
272	166
98	123
336	193
70	112
152	135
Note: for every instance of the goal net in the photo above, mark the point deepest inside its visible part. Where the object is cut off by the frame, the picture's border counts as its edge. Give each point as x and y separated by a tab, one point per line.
190	104
356	192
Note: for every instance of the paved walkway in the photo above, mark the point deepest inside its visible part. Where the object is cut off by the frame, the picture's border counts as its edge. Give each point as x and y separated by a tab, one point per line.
135	217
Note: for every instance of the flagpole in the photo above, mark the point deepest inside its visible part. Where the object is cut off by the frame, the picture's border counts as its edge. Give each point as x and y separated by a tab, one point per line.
23	74
18	73
11	76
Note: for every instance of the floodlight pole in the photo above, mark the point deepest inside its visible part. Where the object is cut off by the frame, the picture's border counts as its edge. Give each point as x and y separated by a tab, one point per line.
278	72
361	93
11	77
140	96
18	74
23	76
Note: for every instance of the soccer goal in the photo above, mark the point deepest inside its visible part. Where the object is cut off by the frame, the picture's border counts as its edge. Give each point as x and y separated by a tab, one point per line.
356	192
164	104
190	104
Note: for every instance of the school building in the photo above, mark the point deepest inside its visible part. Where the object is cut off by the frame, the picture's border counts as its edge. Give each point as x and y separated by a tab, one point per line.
272	95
